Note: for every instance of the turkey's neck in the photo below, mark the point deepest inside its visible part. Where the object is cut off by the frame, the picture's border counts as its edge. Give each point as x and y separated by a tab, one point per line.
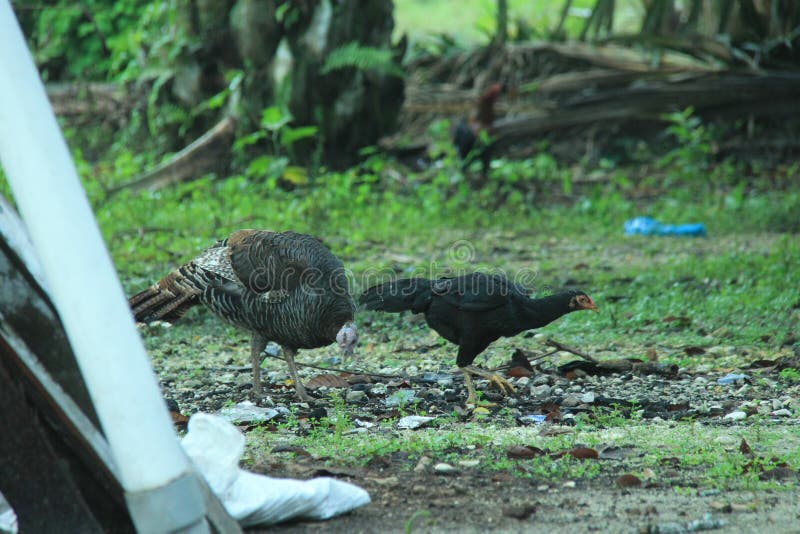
537	313
485	115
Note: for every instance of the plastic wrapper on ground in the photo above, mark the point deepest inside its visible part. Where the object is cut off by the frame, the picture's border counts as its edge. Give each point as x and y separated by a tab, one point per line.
216	446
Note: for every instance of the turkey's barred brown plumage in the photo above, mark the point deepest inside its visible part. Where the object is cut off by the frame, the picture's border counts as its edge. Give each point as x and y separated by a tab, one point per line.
281	286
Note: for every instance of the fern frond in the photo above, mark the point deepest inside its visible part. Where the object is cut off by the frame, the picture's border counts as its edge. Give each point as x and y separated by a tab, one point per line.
363	58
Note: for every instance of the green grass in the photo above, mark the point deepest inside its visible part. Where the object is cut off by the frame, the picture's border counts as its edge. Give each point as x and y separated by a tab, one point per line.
707	456
473	22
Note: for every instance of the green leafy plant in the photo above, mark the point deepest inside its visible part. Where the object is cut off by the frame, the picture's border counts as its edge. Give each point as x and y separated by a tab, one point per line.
356	55
691	158
790	374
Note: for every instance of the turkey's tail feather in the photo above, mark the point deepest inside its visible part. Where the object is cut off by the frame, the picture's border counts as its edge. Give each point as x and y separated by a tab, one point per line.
167	300
412	294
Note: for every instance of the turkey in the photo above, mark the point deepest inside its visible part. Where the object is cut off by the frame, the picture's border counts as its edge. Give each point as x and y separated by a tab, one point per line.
472	311
467	131
281	286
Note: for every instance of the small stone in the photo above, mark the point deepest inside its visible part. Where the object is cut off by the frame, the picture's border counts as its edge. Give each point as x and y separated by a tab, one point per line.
480	410
363	424
450	395
777	404
423	463
736	416
523	381
588	397
378	388
540	392
558	391
411	422
389	482
227	378
700	380
540	380
542	487
247	412
355	396
400	397
570	401
469	463
432	393
243	380
783	412
569	484
444	469
576	388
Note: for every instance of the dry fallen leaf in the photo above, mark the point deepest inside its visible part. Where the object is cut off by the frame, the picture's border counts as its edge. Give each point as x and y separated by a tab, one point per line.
744	448
694	351
517	372
519	511
629	481
178	418
778	473
327	380
583	453
523	452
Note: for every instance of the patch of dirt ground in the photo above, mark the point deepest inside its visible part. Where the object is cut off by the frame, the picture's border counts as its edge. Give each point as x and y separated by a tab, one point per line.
404	501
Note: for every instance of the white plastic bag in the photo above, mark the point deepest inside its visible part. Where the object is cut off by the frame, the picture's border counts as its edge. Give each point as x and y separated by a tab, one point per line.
8	519
216	446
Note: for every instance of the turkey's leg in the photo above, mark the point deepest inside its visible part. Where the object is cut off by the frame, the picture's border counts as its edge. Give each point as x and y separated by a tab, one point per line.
502	384
298	386
471	398
257	345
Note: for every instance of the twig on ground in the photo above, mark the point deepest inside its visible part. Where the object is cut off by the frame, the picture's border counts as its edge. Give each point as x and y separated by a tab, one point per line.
531	359
351	371
576	352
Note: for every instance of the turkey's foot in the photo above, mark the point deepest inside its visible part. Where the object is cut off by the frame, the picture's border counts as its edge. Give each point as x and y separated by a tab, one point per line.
299	388
501	383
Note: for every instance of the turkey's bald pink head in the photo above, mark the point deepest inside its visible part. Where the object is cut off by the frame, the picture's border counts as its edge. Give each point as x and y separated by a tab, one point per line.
347	338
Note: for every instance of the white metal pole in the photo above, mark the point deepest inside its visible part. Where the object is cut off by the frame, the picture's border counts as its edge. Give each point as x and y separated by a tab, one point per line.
85	290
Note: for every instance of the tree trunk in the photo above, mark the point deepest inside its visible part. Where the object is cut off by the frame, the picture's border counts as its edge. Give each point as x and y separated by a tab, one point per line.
501	33
281	49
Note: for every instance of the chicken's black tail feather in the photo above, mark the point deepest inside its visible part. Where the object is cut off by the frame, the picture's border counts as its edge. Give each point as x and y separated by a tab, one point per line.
412	294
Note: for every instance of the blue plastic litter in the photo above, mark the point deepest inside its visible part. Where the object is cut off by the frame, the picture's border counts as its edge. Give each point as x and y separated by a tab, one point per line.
533	418
731	378
650	226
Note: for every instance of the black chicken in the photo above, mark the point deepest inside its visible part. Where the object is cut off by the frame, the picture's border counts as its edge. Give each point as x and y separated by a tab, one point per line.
281	286
472	311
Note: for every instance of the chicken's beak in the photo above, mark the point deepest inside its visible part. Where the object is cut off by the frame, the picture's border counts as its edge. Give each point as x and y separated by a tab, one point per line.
591	306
